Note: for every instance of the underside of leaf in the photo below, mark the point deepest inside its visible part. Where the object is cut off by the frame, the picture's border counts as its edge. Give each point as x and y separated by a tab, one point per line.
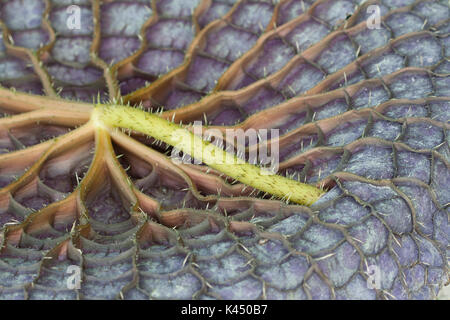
363	113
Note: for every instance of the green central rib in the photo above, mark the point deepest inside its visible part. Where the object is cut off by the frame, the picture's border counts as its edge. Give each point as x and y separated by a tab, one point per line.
215	157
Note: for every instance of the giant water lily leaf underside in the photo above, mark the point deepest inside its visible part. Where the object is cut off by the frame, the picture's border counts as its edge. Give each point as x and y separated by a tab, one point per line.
363	112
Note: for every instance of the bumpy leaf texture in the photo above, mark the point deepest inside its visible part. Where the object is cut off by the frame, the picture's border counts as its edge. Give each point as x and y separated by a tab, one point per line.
362	111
